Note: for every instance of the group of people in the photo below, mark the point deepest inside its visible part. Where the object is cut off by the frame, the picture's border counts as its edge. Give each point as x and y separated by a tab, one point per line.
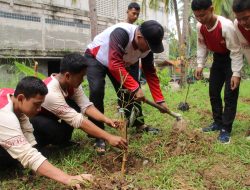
228	42
39	113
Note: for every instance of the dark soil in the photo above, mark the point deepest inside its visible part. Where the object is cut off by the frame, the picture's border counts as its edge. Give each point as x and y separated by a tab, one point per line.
109	167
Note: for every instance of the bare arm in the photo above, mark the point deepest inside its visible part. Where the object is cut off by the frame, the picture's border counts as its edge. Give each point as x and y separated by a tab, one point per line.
50	171
91	129
94	113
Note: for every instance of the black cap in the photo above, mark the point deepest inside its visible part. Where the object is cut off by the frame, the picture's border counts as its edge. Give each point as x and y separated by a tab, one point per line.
153	32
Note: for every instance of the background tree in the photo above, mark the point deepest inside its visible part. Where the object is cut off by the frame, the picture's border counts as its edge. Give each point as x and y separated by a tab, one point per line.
93	18
224	8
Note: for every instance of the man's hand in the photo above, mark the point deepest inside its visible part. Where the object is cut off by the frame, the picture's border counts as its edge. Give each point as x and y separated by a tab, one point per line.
76	181
235	82
164	105
118	142
198	73
111	123
139	95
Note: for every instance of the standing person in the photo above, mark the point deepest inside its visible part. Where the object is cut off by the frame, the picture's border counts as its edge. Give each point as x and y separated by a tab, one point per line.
241	9
111	53
217	34
16	135
66	105
133	12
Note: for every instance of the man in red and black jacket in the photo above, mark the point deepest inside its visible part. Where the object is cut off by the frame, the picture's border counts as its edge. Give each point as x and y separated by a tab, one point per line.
112	53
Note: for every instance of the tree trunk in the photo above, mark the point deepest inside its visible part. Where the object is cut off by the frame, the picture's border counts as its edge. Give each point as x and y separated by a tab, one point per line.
184	36
184	42
177	19
93	18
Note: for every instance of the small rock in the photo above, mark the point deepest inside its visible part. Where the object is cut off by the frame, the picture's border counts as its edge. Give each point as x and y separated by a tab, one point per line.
145	162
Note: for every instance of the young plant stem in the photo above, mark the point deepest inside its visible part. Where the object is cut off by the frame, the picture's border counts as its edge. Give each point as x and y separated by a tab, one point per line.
123	123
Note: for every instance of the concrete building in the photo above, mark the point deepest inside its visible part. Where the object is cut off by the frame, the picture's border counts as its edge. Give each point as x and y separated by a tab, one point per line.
44	30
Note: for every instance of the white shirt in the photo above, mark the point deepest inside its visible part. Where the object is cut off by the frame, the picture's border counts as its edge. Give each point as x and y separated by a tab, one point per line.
55	102
228	35
16	134
245	45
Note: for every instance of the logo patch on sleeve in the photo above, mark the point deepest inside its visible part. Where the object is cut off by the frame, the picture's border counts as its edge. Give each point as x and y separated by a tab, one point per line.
14	141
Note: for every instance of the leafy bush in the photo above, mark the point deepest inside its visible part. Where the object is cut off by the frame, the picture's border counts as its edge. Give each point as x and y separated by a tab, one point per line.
164	77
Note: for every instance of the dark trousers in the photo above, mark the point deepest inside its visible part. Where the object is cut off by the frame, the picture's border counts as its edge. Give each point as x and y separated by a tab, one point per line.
48	129
96	74
6	160
221	73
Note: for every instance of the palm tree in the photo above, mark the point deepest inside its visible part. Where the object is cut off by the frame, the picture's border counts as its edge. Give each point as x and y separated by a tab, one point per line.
182	35
223	7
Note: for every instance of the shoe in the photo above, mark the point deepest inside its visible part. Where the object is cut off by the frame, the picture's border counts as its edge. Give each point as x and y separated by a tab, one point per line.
100	146
224	136
212	127
147	129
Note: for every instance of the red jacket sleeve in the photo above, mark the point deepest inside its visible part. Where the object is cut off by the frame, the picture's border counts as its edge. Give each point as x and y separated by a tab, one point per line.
119	39
152	78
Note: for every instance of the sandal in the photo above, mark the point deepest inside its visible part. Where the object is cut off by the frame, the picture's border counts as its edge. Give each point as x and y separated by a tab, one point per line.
147	129
100	146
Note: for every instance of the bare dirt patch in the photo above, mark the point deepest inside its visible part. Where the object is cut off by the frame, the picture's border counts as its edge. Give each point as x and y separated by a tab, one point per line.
217	172
110	166
245	100
183	184
242	116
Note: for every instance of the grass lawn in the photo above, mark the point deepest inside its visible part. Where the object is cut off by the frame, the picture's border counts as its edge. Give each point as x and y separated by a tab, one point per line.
186	160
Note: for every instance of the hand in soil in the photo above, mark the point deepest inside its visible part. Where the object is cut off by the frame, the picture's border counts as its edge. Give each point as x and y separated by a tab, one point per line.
80	180
118	142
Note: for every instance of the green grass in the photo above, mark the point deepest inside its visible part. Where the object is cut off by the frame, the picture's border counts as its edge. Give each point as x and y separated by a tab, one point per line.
203	162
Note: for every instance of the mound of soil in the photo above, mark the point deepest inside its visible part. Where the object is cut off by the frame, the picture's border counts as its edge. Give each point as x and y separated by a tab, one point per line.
183	140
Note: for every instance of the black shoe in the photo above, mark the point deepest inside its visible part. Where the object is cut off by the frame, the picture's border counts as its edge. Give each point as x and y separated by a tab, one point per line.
100	146
147	129
212	127
224	137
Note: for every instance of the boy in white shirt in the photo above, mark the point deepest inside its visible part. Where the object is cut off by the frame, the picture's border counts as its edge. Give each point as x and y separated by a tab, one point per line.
217	34
16	135
241	9
66	106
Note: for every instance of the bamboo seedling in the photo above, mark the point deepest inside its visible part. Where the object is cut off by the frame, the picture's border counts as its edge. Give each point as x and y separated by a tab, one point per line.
126	100
123	123
123	128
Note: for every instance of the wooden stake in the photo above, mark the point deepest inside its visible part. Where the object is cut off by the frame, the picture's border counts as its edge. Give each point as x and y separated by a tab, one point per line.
124	133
